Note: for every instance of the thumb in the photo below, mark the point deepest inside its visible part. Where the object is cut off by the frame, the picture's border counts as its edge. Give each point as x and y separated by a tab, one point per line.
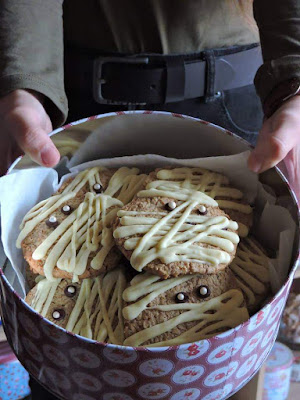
37	144
273	144
292	162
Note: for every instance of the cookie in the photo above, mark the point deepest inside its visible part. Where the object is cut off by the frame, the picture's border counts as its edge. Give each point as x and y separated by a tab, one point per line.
251	269
181	310
91	308
69	235
31	277
171	236
231	200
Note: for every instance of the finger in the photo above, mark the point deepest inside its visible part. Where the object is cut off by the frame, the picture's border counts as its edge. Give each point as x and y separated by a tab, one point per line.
36	143
273	145
291	163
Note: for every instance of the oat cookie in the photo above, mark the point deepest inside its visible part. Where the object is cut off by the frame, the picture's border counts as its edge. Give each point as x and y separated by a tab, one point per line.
170	236
181	310
69	235
91	308
31	277
251	269
229	199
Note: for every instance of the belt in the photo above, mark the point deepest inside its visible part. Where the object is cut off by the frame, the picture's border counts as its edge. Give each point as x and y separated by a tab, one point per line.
158	79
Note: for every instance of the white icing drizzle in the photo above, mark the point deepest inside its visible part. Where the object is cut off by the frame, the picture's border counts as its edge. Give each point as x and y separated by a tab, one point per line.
251	269
45	291
90	176
174	191
97	311
146	287
39	213
70	245
228	315
170	236
201	180
125	183
46	207
87	228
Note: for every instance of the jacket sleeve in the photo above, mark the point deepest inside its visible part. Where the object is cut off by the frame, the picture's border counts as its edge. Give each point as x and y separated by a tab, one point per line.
279	26
31	52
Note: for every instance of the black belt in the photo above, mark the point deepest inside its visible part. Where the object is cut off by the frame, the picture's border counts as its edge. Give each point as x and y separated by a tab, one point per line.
157	79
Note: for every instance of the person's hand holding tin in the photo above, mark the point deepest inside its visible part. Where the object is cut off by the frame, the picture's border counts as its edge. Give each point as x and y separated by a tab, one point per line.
279	139
25	126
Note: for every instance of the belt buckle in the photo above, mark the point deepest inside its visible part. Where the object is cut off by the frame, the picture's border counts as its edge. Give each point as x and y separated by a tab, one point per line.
98	81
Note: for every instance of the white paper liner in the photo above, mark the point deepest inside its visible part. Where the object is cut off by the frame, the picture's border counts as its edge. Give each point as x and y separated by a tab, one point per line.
21	190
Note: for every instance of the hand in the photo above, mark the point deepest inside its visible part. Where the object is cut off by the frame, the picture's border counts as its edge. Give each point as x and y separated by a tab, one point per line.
280	134
24	129
279	140
290	167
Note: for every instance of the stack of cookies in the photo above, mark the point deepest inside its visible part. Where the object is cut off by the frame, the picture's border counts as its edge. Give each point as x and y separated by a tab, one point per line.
138	259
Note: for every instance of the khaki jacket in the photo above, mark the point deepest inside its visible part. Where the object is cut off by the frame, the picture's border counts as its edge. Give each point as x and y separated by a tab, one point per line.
33	32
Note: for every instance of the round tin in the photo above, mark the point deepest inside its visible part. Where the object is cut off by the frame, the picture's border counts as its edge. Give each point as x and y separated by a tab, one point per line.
75	368
295	376
278	373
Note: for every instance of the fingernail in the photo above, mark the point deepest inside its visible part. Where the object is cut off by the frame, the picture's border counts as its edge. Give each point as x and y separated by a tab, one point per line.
254	164
256	168
49	156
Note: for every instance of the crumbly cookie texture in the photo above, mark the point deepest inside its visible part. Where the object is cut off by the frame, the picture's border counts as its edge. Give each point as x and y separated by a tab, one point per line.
171	236
91	308
251	269
181	310
230	199
31	277
69	235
